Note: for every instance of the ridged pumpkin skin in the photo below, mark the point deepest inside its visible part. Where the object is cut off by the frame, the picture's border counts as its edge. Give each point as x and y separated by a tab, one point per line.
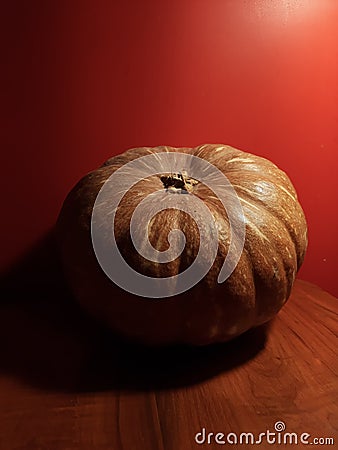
274	249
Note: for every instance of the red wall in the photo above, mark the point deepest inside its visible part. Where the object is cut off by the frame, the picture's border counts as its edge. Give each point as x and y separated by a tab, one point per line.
83	80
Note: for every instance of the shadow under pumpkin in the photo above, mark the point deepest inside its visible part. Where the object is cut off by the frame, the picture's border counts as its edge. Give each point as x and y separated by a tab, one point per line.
47	340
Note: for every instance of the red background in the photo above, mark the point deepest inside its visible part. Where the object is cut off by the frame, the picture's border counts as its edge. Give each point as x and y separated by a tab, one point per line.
84	80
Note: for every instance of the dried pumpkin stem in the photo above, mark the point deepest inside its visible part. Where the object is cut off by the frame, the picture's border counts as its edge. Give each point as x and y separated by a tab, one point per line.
178	180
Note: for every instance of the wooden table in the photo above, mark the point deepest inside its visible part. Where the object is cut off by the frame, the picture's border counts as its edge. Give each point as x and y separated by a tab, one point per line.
66	384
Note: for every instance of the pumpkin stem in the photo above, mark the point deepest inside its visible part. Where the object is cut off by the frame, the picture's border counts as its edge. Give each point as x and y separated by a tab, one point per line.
178	180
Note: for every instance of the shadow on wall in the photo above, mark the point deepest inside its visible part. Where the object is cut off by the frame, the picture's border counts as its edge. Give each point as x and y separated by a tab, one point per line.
49	342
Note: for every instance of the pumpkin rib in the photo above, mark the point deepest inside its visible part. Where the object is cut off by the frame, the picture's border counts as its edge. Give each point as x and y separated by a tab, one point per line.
279	209
211	202
286	219
288	253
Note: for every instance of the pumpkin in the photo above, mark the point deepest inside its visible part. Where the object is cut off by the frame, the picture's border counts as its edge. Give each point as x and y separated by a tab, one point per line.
262	272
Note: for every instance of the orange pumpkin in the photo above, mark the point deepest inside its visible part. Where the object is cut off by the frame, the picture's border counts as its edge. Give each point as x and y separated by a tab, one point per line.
274	246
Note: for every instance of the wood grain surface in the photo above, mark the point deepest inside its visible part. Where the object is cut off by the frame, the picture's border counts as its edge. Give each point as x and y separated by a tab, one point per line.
67	384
